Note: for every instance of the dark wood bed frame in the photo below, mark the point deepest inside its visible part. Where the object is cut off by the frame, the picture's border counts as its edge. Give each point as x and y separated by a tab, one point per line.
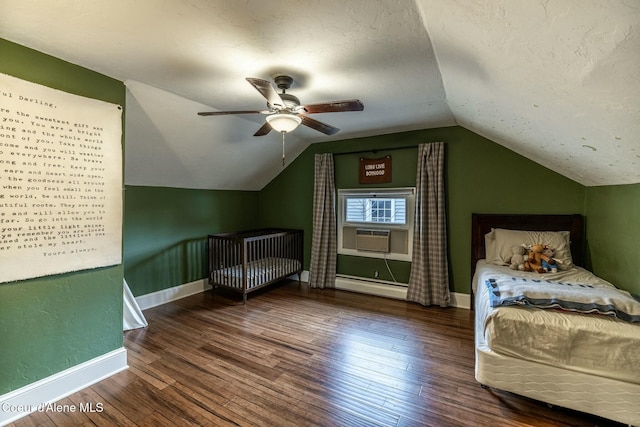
615	399
481	224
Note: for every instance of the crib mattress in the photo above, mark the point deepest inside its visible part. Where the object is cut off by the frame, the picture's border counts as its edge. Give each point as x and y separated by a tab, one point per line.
259	272
591	344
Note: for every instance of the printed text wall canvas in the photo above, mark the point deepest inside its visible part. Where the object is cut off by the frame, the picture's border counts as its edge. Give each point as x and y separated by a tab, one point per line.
60	181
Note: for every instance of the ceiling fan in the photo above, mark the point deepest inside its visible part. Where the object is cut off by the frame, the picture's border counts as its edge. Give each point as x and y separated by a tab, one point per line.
285	113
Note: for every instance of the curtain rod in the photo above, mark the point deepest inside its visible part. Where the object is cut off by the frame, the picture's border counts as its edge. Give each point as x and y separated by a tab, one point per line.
375	150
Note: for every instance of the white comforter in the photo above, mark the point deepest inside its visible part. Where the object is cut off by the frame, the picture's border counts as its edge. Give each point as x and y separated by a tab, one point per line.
589	343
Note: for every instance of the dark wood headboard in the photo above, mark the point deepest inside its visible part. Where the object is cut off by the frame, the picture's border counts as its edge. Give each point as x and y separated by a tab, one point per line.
482	224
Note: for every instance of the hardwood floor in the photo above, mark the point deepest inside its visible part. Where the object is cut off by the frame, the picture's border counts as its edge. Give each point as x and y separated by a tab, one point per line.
294	356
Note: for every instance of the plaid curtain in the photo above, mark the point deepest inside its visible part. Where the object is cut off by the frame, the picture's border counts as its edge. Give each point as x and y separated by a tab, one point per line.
429	279
324	241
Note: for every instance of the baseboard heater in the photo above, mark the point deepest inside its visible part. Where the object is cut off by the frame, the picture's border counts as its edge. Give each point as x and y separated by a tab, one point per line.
371	286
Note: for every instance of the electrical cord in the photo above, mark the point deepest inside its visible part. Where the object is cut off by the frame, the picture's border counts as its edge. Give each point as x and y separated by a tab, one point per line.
389	268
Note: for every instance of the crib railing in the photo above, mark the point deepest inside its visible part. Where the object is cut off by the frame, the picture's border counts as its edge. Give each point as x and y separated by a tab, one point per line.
249	260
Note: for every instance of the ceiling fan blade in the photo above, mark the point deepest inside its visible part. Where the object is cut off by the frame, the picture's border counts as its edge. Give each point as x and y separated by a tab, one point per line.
224	113
267	90
335	106
319	126
265	129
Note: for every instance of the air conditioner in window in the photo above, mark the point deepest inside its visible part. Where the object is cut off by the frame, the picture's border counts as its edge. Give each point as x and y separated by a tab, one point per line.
372	240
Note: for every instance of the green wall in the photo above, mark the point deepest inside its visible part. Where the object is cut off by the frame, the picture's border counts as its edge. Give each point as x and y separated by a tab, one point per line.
613	234
50	324
481	176
485	177
53	323
165	232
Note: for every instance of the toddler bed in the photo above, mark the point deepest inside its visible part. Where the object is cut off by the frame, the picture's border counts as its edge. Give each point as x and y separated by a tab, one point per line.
247	261
577	347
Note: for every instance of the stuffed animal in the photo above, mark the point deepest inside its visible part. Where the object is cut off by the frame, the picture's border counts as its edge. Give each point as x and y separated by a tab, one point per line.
517	259
534	261
550	265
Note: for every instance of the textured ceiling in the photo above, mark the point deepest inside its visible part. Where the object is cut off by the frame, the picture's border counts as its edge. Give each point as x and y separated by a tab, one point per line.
558	82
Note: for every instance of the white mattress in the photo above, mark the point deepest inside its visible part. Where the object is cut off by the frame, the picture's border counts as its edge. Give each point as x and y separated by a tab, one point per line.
605	397
570	387
258	272
590	344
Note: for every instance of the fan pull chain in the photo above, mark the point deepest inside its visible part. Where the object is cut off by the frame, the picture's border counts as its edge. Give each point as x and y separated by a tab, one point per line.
283	148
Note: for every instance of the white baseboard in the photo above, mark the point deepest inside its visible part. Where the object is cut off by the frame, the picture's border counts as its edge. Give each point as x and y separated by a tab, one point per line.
304	276
460	300
171	294
36	396
351	284
390	290
164	296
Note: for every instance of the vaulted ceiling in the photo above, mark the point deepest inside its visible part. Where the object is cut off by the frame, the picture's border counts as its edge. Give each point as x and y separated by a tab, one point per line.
556	81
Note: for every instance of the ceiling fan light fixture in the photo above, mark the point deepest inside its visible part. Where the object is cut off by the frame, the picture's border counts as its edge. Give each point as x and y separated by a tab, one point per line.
283	122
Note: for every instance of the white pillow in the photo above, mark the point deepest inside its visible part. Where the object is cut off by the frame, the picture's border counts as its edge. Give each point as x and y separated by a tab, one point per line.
498	244
490	248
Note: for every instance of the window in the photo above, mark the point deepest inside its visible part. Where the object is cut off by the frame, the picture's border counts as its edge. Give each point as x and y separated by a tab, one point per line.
376	209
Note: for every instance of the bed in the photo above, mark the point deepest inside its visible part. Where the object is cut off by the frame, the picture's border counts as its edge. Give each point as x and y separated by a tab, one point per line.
557	354
250	260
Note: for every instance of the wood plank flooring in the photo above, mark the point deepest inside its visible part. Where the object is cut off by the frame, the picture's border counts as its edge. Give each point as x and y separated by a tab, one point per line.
294	356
